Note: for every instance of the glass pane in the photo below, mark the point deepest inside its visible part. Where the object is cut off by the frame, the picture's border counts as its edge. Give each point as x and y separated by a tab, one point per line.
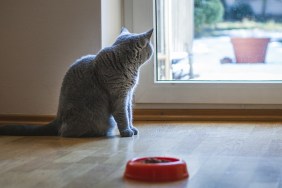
219	40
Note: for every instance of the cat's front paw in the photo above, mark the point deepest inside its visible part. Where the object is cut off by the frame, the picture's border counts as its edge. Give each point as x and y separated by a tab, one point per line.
126	133
135	130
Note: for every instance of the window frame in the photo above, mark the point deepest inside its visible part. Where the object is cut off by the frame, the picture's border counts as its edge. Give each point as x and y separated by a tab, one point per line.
138	17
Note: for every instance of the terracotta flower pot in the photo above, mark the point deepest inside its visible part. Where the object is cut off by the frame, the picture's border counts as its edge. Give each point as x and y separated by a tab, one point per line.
250	50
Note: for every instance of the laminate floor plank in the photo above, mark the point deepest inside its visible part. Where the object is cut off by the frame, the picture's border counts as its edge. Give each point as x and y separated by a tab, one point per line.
218	155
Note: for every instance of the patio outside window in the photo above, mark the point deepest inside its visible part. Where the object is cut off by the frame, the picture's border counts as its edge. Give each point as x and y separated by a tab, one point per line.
219	40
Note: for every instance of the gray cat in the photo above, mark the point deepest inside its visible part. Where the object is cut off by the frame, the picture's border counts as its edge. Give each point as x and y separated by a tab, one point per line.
96	93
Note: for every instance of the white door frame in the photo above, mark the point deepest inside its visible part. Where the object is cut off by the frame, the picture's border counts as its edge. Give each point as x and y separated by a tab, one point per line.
139	17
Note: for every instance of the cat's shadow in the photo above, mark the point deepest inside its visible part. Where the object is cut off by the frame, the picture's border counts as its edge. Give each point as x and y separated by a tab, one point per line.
56	142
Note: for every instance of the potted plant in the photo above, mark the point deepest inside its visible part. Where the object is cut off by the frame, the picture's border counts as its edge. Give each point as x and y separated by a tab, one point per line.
250	49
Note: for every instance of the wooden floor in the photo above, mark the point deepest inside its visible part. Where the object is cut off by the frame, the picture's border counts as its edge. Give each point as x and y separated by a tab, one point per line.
219	155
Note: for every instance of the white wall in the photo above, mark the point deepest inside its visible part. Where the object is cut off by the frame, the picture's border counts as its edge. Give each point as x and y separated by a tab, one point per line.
39	40
111	20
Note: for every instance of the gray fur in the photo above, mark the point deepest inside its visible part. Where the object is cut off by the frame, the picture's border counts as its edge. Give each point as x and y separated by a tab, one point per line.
97	90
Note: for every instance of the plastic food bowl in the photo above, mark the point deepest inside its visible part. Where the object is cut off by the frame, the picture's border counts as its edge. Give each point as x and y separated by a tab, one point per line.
156	169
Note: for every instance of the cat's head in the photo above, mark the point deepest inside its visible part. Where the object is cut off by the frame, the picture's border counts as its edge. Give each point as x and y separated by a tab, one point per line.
138	45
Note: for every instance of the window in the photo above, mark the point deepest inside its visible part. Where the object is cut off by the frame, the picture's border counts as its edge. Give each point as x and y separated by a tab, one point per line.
215	40
158	84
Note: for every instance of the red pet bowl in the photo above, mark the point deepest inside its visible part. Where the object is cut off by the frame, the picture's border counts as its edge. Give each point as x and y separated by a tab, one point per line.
156	169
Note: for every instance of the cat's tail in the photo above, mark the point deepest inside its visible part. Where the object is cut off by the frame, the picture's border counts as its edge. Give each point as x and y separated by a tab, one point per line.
51	129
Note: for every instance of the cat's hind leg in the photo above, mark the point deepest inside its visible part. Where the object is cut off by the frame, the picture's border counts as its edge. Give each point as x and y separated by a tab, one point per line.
85	123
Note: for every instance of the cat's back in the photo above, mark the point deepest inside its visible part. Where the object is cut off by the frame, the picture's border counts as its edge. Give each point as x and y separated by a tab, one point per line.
81	66
83	62
79	72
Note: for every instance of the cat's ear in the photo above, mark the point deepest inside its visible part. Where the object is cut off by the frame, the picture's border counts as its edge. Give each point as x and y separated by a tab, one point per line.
149	33
144	38
124	31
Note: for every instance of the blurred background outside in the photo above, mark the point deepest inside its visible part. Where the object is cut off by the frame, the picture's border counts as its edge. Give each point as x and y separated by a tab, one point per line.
219	40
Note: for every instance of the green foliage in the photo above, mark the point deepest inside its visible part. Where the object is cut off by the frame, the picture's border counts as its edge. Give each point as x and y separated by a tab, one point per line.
207	12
